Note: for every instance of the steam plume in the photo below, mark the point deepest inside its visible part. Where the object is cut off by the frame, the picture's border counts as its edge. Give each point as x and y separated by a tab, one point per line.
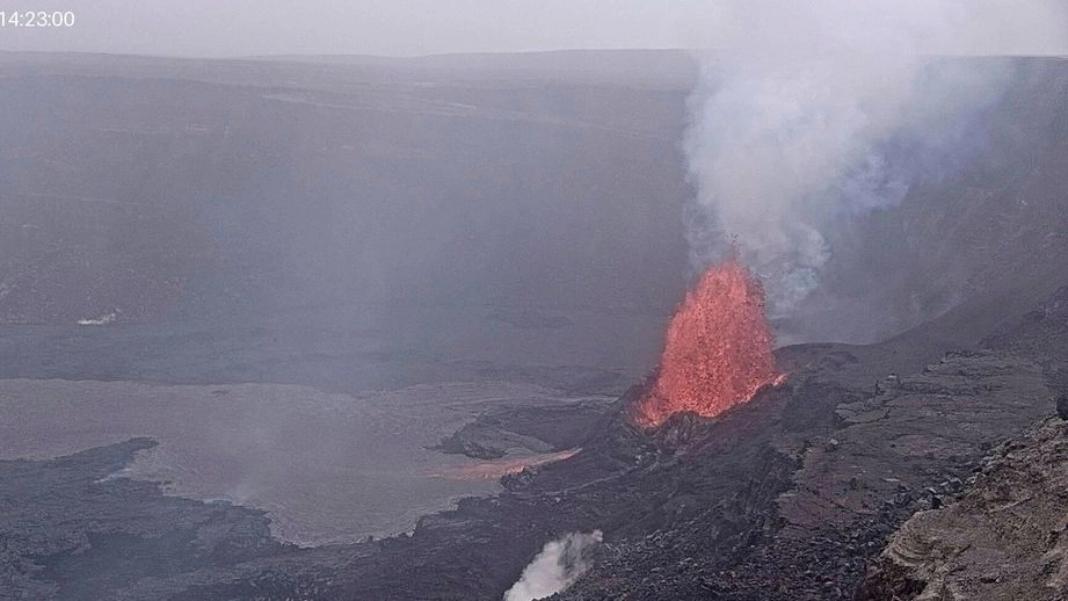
793	118
560	563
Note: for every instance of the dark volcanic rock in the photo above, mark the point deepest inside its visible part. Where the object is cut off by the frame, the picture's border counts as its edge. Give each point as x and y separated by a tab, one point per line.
836	502
1006	539
73	528
753	505
757	504
534	428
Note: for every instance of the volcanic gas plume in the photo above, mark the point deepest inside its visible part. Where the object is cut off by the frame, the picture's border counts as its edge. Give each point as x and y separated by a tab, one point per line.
718	350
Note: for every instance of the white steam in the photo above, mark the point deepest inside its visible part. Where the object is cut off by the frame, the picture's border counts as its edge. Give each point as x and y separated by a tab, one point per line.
560	563
792	115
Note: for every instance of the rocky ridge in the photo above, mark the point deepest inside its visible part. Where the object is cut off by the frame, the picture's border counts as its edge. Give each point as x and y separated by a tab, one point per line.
1006	538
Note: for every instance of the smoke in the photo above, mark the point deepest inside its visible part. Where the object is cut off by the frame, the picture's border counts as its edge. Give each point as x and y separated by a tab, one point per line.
560	563
812	111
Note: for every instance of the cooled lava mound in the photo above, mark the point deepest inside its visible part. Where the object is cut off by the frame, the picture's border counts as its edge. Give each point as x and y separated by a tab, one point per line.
718	349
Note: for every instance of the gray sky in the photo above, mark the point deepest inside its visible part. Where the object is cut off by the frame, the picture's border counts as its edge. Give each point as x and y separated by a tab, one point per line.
414	27
382	27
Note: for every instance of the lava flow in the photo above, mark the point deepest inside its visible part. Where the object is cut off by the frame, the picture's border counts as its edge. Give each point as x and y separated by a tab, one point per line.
718	351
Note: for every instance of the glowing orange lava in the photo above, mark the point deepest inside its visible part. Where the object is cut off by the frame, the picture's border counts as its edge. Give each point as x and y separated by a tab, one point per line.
718	350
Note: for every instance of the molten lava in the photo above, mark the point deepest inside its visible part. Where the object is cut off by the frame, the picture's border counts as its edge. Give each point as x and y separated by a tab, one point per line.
718	350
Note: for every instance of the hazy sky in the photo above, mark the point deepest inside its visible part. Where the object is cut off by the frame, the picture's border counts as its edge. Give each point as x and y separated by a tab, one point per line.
383	27
413	27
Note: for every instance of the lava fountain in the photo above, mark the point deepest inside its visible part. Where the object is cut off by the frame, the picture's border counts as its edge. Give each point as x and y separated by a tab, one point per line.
718	349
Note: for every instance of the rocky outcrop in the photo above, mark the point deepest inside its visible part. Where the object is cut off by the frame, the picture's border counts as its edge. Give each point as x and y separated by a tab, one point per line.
1005	539
906	443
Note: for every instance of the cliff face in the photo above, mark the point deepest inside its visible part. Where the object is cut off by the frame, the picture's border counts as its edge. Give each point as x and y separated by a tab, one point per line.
1005	539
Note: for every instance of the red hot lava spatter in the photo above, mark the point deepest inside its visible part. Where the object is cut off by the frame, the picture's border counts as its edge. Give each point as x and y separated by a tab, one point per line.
718	349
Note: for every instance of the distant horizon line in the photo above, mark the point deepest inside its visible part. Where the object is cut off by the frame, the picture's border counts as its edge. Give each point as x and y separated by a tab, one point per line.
415	57
352	54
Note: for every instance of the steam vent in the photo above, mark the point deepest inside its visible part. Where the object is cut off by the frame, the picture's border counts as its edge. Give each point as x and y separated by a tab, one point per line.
718	349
